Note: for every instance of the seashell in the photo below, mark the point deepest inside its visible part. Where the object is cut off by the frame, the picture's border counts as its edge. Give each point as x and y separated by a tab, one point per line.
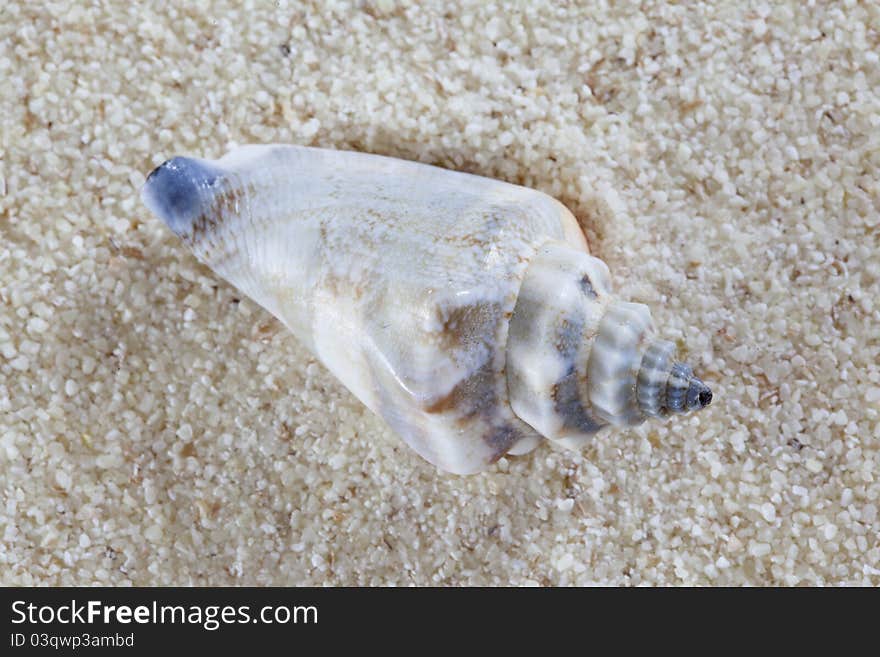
467	312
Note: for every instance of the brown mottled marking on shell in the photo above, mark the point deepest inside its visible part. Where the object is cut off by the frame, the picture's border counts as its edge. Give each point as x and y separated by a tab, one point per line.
468	326
343	287
476	395
501	438
206	228
566	393
223	205
586	286
471	323
468	396
495	217
566	397
340	286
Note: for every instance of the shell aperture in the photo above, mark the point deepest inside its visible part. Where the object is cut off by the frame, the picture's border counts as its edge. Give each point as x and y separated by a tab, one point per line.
467	312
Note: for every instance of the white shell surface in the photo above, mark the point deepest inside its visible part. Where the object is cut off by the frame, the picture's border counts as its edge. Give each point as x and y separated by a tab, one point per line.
401	277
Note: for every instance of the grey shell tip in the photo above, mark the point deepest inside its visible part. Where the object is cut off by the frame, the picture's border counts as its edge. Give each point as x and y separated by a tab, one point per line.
175	191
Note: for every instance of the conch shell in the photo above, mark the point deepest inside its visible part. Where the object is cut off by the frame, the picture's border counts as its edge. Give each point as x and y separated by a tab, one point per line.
466	312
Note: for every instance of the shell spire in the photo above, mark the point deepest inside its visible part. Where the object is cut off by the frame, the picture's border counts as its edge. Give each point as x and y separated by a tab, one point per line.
666	387
580	359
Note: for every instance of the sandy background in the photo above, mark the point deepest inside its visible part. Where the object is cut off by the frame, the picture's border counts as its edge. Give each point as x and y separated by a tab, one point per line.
157	429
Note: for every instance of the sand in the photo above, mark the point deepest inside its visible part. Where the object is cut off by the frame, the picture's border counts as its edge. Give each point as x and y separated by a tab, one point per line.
157	428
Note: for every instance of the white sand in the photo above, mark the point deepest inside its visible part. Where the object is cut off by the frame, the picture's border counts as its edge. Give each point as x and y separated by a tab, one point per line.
724	162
